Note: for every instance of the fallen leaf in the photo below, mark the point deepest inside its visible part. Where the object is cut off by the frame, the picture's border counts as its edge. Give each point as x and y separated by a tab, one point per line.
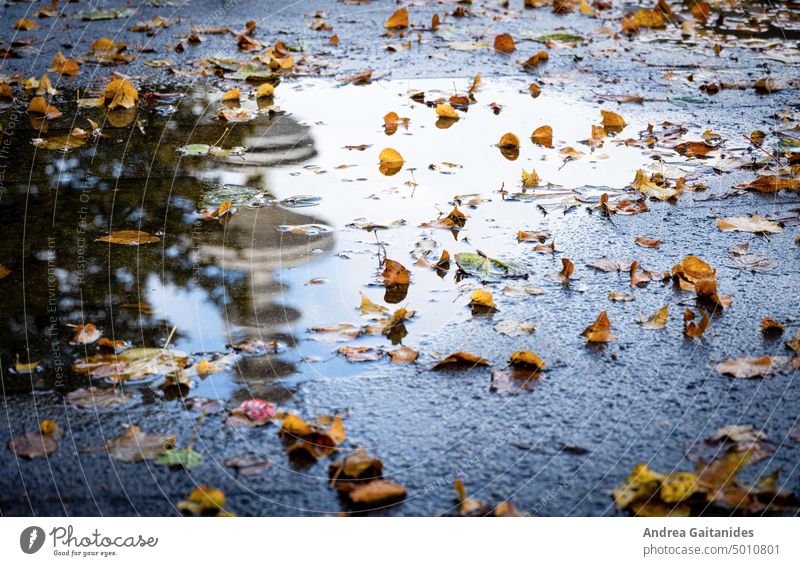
656	320
129	238
527	358
403	355
612	120
514	327
481	302
536	59
134	445
84	333
120	93
446	111
96	398
360	353
233	94
600	330
376	492
771	184
543	135
40	443
204	500
695	149
184	457
504	43
395	274
770	326
694	329
748	367
390	161
399	19
248	464
754	224
508	141
647	242
460	359
39	106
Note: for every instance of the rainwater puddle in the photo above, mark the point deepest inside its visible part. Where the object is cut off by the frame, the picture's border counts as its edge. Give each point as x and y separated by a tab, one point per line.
302	243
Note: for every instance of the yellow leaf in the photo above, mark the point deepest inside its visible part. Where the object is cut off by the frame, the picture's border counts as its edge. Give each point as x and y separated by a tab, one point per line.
543	135
527	358
446	111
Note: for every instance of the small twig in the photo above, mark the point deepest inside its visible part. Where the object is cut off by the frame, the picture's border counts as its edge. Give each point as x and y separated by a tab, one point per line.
752	141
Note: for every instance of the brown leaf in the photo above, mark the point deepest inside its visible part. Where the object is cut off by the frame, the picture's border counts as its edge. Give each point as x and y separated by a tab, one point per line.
600	330
129	238
134	445
536	59
695	149
508	141
377	492
360	353
394	273
120	93
504	43
460	359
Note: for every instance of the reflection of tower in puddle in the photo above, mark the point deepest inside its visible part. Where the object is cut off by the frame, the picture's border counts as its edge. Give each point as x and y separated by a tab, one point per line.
251	252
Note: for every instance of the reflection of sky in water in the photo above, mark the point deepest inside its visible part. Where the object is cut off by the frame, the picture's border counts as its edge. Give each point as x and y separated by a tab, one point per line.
340	116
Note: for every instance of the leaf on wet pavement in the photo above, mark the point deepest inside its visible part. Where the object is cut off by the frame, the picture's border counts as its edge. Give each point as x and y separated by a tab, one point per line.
134	445
37	444
656	320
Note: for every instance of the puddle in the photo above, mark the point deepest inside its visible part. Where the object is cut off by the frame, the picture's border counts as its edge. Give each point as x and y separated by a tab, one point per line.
295	254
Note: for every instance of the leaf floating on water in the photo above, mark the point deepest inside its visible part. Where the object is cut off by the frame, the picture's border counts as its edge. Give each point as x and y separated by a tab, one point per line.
305	229
395	274
514	328
656	320
85	333
317	438
129	238
300	201
543	135
479	265
403	355
38	444
399	19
